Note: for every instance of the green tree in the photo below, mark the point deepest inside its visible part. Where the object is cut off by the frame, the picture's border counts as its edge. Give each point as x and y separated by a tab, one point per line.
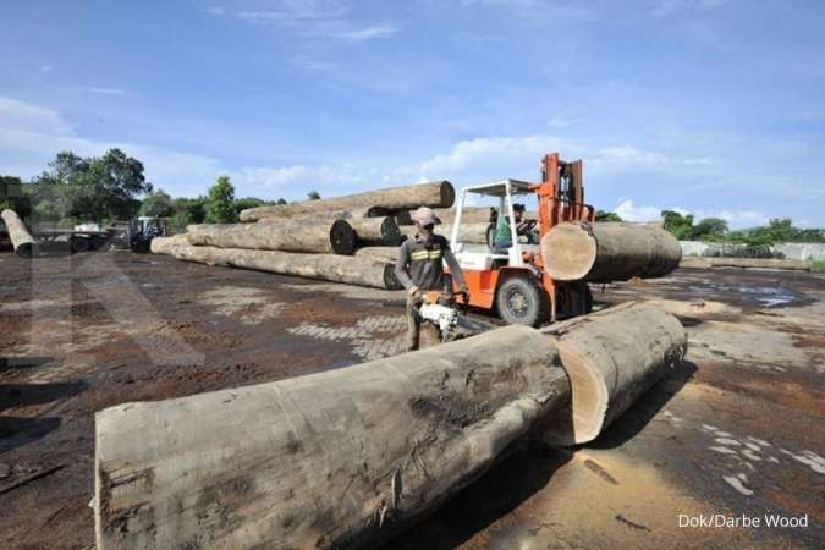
189	211
158	203
313	195
605	216
248	202
710	229
219	205
680	226
280	201
94	188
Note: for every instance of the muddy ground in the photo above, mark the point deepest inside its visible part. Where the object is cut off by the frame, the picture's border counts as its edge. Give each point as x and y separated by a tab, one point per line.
738	429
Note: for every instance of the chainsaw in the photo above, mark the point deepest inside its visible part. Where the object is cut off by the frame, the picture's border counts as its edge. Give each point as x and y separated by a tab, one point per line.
448	315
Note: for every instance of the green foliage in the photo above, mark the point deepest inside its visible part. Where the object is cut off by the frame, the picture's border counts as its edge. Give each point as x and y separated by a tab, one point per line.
680	226
605	216
818	265
94	188
219	205
313	195
282	201
157	203
248	202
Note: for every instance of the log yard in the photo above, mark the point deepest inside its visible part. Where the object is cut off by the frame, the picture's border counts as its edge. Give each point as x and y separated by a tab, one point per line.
420	275
410	367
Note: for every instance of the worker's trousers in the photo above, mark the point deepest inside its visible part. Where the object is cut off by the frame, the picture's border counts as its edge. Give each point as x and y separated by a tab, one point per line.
414	340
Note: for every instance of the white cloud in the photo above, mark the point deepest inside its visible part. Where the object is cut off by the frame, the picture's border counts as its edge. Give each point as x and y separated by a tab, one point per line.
737	219
369	33
314	18
668	8
31	135
45	69
102	91
627	156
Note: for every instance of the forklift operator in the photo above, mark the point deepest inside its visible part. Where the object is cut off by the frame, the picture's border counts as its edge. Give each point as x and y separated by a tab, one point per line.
420	267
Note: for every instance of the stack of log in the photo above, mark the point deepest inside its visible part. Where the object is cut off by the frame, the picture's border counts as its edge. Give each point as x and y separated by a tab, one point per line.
317	239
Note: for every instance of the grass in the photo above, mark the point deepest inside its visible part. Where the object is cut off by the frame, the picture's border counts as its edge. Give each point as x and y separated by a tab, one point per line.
818	265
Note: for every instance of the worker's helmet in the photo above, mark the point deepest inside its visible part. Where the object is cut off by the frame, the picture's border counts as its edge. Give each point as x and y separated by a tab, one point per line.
424	216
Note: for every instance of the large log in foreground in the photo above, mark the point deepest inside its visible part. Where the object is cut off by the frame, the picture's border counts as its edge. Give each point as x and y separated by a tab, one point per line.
437	194
613	357
327	267
323	236
340	459
21	239
609	251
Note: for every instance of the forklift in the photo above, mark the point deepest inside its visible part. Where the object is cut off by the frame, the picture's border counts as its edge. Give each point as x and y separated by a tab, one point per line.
508	277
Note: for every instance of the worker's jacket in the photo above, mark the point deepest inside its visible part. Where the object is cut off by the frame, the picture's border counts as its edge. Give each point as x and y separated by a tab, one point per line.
420	263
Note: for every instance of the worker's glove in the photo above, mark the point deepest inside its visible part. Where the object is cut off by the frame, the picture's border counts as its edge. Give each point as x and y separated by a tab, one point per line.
412	291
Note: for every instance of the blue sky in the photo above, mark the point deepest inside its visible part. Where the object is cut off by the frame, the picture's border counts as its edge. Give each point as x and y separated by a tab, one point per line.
716	107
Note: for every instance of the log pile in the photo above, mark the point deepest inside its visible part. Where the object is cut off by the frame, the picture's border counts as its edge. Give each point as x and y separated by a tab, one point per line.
21	239
317	238
348	457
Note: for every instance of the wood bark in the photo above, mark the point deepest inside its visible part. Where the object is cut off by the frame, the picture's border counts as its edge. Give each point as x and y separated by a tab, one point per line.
438	194
21	239
320	236
612	358
468	232
380	253
327	267
609	251
341	459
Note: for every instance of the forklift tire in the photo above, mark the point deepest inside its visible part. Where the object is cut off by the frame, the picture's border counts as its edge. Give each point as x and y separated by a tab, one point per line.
522	301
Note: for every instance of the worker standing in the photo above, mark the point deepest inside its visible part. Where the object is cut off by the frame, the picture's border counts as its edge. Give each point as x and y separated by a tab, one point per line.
420	267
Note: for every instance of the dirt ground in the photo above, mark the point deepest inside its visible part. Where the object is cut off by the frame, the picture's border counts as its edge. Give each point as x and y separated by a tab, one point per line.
738	430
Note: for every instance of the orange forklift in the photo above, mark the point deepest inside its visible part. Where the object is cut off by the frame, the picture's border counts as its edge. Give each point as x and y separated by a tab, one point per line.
508	277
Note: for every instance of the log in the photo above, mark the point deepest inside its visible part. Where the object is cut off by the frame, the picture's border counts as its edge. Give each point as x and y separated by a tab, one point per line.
608	251
380	253
327	267
167	245
330	235
468	232
341	459
437	194
612	358
21	239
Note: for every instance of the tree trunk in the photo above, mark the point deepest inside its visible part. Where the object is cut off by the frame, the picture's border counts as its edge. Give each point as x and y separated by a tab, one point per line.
324	236
613	357
341	459
167	245
379	253
438	194
19	235
327	267
468	232
609	251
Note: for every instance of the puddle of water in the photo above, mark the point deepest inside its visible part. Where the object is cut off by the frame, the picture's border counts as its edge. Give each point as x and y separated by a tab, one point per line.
763	296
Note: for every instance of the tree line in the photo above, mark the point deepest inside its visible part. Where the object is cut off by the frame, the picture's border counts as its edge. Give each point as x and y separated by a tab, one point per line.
682	227
113	187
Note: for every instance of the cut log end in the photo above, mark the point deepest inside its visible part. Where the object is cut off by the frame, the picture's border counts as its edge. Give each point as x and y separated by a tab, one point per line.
569	252
609	251
342	238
